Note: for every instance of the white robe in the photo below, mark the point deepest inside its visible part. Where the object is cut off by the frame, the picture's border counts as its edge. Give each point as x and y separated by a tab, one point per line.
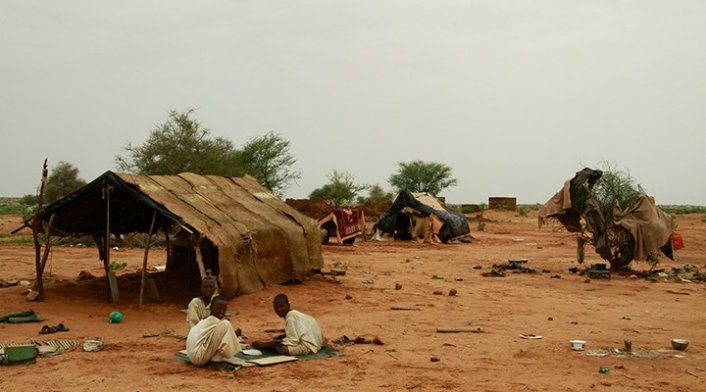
196	312
211	339
302	329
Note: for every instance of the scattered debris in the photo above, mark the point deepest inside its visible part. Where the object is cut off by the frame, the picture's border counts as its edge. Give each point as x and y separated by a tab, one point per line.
459	279
557	276
85	275
438	292
359	340
338	268
93	344
8	283
474	329
403	308
434	359
678	292
348	296
452	293
398	286
477	267
530	336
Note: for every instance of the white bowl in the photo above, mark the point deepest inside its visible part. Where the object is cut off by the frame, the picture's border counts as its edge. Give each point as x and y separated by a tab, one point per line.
577	345
680	344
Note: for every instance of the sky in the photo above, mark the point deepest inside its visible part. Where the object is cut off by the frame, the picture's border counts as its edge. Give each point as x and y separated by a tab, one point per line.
514	96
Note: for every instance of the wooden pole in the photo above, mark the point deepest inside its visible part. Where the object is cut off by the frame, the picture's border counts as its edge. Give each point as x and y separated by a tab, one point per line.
144	261
45	256
110	293
39	283
199	260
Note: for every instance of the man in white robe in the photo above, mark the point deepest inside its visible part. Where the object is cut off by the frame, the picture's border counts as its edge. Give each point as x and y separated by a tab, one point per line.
213	338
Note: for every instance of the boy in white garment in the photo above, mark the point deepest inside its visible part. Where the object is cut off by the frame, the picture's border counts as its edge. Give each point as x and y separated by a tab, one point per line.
303	334
213	338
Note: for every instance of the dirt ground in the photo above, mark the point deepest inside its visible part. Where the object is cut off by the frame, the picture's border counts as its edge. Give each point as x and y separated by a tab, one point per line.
603	312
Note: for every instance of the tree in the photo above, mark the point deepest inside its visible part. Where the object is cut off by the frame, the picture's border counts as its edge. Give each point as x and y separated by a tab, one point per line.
418	176
62	181
181	144
341	189
376	196
268	159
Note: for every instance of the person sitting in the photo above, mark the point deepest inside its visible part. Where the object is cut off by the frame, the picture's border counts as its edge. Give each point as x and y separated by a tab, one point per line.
213	338
303	334
199	307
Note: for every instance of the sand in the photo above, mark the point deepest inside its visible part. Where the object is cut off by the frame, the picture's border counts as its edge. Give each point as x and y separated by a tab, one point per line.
603	312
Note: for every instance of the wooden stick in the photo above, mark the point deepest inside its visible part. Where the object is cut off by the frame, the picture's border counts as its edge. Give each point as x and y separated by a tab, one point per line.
144	261
403	308
692	373
459	329
39	283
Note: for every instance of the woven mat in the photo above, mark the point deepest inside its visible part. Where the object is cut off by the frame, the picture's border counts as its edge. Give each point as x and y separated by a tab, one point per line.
325	352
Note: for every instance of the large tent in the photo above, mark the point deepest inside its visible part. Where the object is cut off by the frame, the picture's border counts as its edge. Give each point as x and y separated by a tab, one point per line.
230	225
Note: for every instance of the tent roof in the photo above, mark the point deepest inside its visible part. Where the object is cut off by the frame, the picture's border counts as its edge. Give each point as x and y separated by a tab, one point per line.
260	238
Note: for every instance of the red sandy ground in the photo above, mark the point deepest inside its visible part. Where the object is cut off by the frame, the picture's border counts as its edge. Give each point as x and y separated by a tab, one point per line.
604	313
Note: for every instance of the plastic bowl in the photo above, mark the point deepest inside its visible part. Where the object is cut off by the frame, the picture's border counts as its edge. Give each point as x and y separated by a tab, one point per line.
680	344
577	345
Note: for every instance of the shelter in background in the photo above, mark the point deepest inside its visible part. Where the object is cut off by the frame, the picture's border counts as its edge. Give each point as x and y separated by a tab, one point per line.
502	203
343	223
398	220
231	225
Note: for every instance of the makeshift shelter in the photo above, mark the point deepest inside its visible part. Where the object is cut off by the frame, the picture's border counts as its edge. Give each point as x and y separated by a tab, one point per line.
343	223
648	228
231	225
398	219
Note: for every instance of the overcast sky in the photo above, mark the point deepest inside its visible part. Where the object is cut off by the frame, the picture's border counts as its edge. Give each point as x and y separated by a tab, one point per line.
514	96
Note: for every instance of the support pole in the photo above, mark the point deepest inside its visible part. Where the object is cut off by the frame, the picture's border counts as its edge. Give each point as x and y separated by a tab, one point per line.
144	261
112	294
45	256
199	260
39	283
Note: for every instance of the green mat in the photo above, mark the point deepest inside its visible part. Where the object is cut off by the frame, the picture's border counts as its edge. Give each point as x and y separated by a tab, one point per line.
325	352
27	316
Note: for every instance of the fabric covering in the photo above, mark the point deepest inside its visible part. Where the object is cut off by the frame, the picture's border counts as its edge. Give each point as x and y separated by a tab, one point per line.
559	204
211	339
302	330
650	226
396	220
259	238
346	222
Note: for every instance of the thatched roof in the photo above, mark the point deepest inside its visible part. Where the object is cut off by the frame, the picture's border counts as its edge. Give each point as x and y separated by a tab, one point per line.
260	239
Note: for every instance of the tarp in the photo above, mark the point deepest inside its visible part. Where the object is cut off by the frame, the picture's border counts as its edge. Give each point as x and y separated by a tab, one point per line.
650	226
346	223
259	238
395	220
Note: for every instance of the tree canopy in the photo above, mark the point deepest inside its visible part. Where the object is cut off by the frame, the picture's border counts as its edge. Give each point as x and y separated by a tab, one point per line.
183	144
419	176
62	181
268	159
341	189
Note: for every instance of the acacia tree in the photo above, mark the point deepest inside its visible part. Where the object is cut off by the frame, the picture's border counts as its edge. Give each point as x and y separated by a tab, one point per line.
419	176
181	144
62	181
268	159
341	189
